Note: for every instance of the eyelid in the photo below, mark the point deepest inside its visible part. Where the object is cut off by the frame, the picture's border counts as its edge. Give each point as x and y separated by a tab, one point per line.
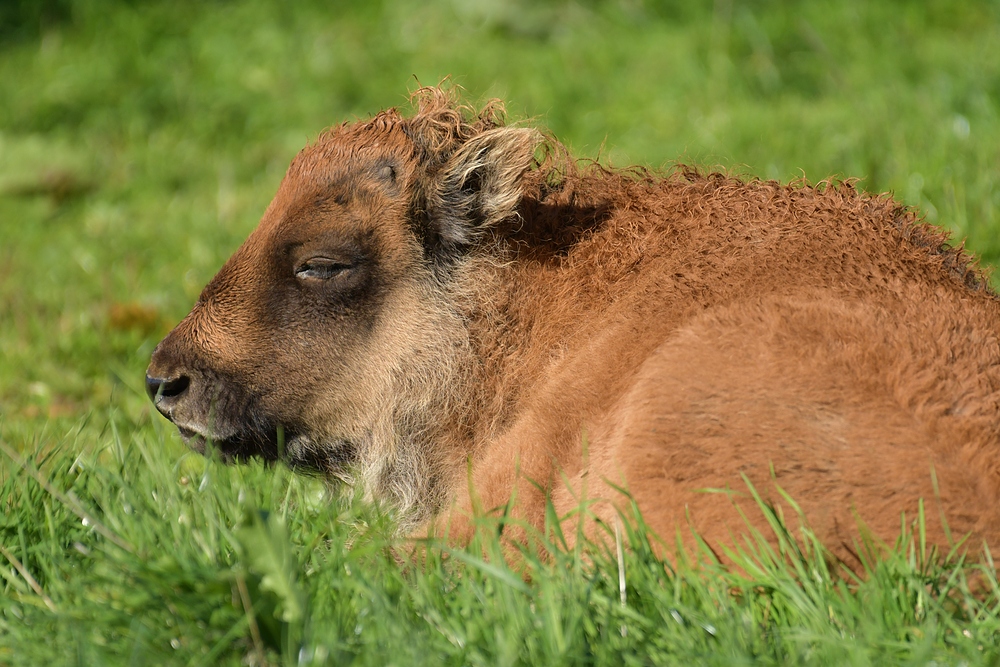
322	268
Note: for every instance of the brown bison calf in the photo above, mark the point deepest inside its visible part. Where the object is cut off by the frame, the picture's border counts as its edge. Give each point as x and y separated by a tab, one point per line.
424	298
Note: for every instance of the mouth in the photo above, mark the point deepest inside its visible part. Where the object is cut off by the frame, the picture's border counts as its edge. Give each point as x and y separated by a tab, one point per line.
300	452
235	448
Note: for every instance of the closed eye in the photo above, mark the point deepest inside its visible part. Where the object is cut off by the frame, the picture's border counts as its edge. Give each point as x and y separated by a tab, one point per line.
321	268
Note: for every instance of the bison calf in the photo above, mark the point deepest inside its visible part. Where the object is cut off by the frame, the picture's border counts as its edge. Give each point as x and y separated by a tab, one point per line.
426	297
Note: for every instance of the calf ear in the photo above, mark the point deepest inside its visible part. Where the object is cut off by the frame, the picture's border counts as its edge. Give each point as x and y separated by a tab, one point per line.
481	185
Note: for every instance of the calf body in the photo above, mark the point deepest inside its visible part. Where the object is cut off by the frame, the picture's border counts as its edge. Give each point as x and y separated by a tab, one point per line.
427	307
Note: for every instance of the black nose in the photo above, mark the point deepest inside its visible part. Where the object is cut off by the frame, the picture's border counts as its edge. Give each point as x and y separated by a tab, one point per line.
166	388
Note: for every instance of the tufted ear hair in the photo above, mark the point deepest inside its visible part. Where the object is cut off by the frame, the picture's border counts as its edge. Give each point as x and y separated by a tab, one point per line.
481	185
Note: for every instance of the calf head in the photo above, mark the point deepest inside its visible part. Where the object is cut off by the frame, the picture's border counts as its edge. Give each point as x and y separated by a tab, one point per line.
331	338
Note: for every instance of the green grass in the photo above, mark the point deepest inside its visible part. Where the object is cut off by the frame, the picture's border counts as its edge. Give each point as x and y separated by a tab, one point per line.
140	142
144	558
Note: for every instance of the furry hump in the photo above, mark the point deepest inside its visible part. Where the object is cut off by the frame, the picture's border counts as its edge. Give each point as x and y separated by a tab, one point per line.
466	306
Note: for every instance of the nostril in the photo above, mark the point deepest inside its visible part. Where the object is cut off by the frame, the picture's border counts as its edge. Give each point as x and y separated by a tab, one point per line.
174	387
166	388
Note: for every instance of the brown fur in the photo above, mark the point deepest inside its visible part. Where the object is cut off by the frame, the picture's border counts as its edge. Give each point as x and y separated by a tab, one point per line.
503	310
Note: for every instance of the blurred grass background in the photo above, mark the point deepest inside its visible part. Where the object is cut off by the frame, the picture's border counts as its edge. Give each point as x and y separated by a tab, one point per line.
140	141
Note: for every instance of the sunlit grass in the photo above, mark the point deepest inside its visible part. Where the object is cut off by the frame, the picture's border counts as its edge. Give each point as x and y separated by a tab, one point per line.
141	141
131	554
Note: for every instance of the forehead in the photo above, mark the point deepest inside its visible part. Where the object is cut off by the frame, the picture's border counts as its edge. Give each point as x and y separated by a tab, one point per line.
342	181
382	136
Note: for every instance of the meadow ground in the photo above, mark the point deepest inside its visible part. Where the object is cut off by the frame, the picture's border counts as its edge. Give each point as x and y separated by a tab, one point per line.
140	142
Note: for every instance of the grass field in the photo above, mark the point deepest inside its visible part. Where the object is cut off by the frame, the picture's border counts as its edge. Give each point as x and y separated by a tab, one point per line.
140	142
